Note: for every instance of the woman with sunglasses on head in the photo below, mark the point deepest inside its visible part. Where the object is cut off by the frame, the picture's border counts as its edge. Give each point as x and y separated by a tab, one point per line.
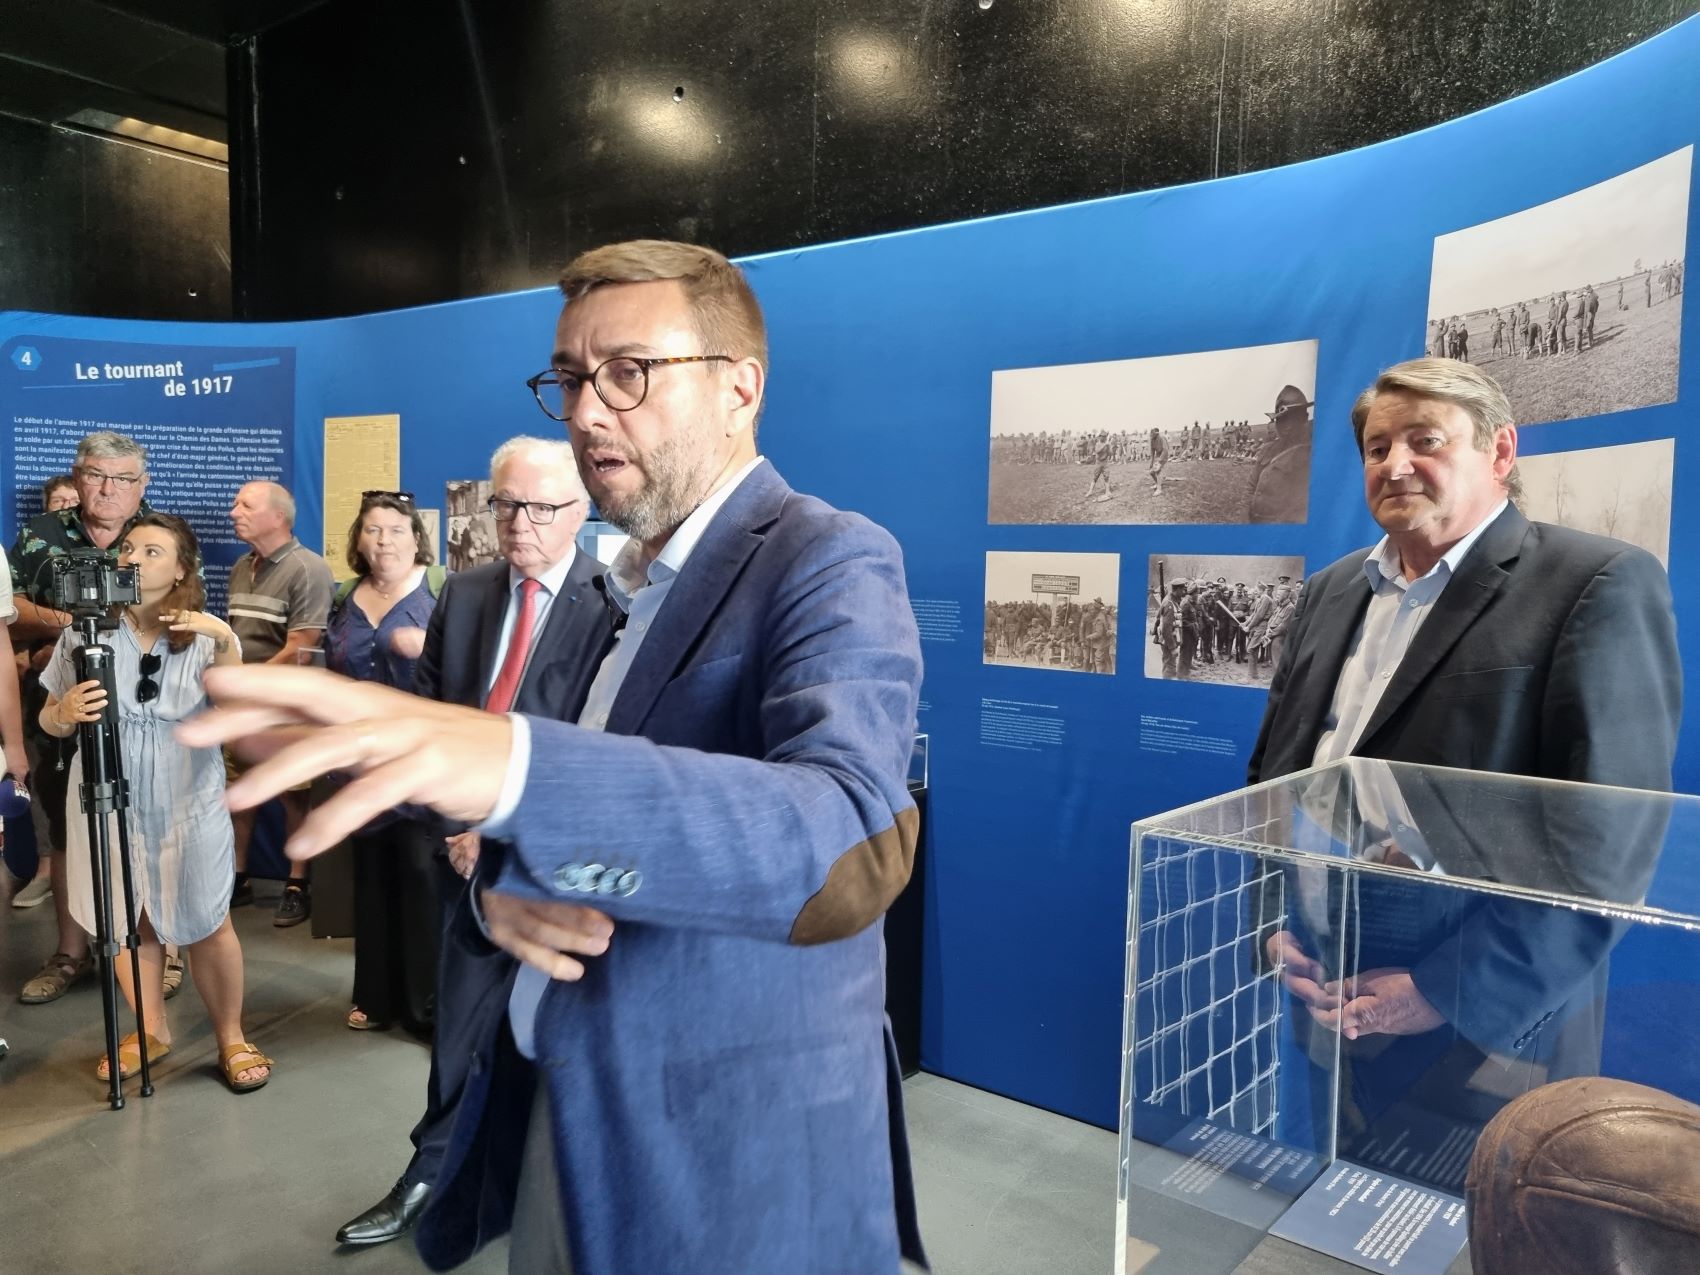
376	633
181	844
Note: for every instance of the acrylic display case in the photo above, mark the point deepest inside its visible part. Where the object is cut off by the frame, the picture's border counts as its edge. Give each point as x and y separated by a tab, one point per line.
918	755
1335	979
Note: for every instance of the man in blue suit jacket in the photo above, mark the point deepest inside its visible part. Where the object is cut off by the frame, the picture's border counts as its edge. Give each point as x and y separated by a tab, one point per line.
540	504
711	1084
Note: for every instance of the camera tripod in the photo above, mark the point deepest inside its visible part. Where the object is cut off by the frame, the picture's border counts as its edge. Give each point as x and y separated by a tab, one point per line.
105	791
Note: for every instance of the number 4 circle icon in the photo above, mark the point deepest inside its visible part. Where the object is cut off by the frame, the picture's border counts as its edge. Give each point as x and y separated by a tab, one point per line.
26	358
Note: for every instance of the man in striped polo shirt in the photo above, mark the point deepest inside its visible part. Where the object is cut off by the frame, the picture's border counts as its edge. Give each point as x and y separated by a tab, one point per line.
280	596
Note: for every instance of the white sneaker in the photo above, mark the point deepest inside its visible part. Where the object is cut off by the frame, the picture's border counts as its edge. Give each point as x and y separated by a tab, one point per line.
37	891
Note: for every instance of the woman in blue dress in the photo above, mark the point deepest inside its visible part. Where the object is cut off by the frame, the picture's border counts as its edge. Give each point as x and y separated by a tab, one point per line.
376	633
181	845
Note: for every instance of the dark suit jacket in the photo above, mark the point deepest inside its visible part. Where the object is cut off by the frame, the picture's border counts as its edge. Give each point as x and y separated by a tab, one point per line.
1551	653
460	646
722	1082
456	666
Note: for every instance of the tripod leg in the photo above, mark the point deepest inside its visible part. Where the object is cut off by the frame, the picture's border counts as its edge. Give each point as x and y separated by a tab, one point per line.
133	941
104	792
100	869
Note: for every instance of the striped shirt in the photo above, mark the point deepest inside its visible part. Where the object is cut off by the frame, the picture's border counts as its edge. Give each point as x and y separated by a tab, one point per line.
273	596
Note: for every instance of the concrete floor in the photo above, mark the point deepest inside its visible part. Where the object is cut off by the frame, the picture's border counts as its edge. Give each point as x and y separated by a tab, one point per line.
196	1179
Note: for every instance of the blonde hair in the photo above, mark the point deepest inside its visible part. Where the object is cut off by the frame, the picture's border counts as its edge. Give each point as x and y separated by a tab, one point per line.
1448	381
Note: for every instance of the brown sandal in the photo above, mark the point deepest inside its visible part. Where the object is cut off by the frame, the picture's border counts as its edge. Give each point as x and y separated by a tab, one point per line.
55	978
130	1056
173	978
232	1069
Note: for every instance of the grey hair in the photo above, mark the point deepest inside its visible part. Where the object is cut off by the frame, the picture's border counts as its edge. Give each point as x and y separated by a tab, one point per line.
1464	385
108	444
282	502
553	450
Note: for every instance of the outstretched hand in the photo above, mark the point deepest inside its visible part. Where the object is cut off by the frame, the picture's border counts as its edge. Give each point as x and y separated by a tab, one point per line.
401	750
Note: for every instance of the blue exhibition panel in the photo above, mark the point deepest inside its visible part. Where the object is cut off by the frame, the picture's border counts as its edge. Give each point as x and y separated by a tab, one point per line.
882	400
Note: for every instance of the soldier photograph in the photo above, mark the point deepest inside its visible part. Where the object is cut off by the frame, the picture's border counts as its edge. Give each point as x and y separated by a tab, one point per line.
1052	611
1547	266
1218	618
1205	431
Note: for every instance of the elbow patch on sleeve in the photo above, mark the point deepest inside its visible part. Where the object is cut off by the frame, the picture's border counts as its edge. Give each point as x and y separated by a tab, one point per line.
861	884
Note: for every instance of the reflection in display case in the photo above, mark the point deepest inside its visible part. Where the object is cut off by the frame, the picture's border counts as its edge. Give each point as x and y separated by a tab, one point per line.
918	763
1335	979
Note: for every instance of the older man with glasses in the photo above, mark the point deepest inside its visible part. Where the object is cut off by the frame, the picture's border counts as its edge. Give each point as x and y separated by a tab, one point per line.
526	634
111	476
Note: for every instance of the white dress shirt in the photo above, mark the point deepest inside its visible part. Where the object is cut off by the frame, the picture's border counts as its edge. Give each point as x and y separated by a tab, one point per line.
552	580
640	594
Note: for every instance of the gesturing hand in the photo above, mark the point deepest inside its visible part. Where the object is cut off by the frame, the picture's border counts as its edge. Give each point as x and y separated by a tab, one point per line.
409	643
195	622
541	933
402	750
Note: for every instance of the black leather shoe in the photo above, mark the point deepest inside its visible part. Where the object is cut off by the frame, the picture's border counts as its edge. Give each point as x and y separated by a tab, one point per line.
392	1216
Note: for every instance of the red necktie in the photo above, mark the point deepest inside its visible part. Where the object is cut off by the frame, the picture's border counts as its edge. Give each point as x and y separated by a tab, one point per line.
519	648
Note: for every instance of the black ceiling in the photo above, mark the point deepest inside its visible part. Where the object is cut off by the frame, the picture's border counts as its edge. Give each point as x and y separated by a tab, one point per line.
157	60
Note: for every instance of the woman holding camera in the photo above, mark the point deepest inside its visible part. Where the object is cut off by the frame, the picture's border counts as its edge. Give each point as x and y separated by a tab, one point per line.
376	633
181	844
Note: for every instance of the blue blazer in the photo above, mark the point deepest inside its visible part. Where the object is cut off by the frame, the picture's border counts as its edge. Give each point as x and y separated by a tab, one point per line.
722	1082
459	660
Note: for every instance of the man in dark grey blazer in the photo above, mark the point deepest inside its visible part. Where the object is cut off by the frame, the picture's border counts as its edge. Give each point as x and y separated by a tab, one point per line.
539	503
1468	637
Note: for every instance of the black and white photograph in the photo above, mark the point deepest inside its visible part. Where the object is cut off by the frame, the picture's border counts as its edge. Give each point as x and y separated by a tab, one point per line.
1220	436
1574	306
1055	611
1218	617
1622	491
472	527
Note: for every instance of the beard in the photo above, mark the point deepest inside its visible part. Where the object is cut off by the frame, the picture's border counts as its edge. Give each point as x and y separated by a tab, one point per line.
676	477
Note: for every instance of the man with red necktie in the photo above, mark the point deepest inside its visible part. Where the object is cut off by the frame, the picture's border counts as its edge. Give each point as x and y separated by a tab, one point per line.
526	634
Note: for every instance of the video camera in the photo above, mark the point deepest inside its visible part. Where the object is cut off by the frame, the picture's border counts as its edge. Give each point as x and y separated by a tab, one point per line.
87	583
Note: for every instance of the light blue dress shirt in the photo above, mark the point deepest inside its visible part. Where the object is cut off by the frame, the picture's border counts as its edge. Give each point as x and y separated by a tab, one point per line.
640	593
1395	613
